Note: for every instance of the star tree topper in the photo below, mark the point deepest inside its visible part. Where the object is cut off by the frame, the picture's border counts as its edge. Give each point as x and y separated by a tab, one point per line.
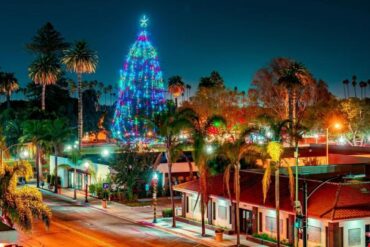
144	21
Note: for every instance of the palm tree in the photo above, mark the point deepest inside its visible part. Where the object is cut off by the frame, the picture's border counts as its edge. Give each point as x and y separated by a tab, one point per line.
81	60
274	150
176	87
34	132
188	88
20	205
345	85
199	130
57	133
354	84
8	84
292	79
234	152
363	85
168	125
44	71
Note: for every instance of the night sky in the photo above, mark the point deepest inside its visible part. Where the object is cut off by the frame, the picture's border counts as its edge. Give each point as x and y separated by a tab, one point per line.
236	38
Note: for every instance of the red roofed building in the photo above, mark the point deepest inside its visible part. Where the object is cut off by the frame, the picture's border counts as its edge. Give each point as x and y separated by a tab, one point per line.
338	211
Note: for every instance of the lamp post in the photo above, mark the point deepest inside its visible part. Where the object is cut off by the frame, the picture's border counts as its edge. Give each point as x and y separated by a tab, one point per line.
336	126
155	183
305	205
86	180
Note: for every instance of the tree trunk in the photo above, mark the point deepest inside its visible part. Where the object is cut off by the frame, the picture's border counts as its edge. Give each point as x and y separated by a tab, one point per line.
202	215
8	100
43	94
354	89
169	162
277	205
56	172
37	166
344	88
80	113
190	167
237	195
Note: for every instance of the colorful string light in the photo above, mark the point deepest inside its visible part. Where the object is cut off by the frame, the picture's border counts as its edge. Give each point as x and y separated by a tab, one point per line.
141	90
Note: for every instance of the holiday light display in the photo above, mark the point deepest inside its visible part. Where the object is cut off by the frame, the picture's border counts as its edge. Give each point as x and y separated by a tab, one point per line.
141	91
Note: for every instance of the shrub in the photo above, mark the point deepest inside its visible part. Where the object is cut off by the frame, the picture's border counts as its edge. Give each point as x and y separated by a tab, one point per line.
99	191
92	188
48	178
167	212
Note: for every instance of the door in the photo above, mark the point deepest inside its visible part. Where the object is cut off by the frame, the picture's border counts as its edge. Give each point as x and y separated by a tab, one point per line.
246	221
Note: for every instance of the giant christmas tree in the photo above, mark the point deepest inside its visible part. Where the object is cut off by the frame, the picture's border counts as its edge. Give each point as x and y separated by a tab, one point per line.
141	90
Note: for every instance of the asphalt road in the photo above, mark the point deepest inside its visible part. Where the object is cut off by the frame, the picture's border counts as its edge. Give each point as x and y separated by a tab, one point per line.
76	225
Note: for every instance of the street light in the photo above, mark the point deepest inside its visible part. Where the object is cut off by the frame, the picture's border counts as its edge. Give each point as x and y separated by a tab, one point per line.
155	183
86	165
336	126
105	153
209	149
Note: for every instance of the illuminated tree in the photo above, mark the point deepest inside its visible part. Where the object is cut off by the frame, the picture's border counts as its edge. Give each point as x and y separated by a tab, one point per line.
141	90
176	87
44	71
20	205
8	84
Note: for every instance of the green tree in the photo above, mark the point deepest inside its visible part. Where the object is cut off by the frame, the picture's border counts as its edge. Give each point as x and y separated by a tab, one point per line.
214	80
34	131
57	133
44	71
81	60
47	41
199	131
8	85
168	125
234	153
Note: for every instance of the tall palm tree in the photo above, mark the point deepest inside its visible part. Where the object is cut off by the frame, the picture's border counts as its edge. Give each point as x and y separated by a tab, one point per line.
345	86
44	71
234	152
34	132
168	125
176	87
57	133
199	132
274	150
81	60
292	79
354	84
363	85
20	206
8	84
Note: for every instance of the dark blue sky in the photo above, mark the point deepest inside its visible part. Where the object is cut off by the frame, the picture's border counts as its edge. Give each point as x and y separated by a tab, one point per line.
235	37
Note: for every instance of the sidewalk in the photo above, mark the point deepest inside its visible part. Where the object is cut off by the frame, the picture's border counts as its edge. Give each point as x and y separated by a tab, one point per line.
144	215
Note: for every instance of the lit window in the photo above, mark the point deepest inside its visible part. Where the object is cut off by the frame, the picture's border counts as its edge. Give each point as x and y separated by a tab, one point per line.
354	236
222	212
314	234
270	224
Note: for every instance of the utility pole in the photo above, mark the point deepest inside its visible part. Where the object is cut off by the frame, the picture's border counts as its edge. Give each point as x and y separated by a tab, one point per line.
304	212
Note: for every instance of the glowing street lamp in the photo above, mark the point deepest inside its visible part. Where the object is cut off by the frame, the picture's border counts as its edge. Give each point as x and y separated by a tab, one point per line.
24	154
209	149
155	183
337	126
105	153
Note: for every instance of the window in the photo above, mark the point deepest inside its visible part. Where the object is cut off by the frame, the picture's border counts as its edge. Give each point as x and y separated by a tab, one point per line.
354	236
314	234
222	212
270	224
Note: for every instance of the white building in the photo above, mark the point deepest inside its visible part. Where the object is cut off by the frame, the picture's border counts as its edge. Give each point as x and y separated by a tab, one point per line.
338	213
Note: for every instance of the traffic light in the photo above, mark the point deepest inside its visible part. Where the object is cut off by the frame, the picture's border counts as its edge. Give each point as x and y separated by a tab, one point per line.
299	221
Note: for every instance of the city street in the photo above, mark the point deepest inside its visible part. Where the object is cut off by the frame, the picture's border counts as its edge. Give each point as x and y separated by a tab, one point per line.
76	225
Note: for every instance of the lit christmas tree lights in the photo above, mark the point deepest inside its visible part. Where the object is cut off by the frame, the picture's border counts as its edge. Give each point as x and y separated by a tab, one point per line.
141	91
